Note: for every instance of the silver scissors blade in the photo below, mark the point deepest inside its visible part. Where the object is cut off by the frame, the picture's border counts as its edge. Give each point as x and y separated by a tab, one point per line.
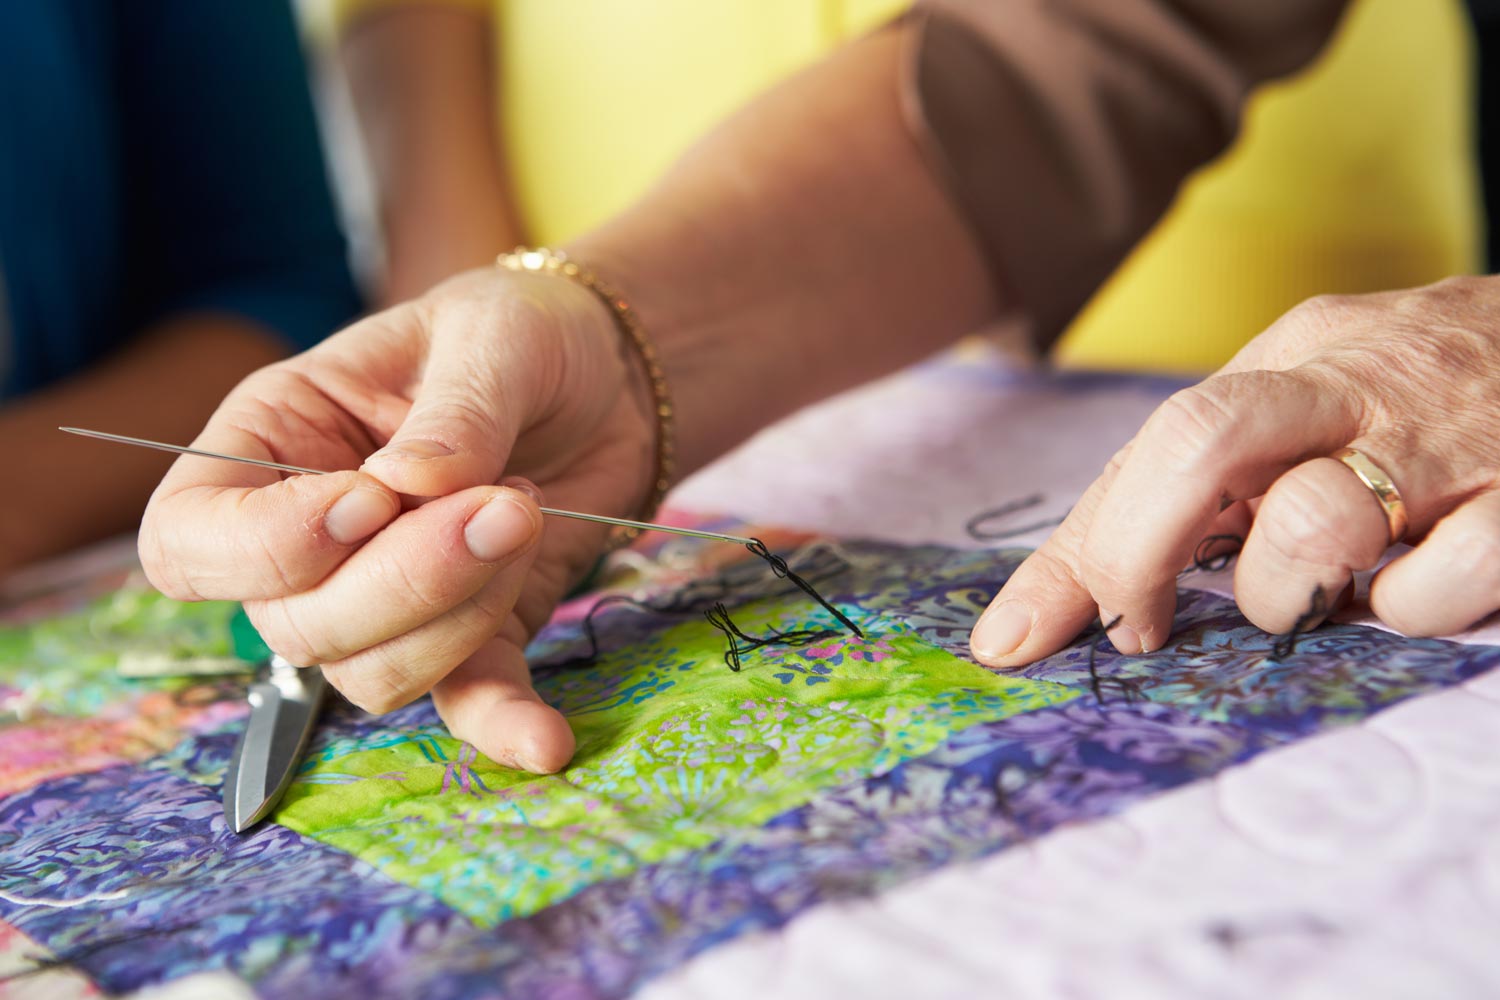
284	702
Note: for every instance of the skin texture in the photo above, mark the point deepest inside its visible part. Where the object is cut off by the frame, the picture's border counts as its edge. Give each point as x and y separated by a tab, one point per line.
767	281
421	76
494	378
65	492
496	375
1409	378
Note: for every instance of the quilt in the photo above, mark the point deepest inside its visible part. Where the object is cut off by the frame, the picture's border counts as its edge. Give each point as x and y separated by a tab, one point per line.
704	804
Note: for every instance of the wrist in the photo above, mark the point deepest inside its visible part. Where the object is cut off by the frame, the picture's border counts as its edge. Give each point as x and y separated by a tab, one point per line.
432	236
647	393
695	367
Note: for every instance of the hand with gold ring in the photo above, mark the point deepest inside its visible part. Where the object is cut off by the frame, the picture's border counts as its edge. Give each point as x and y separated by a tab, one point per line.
1382	486
1351	424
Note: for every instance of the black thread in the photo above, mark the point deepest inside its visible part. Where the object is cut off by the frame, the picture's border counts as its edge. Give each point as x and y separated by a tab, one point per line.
778	566
974	526
675	606
714	591
604	602
1317	610
718	617
1128	687
1230	936
1002	798
1094	653
1204	563
1030	777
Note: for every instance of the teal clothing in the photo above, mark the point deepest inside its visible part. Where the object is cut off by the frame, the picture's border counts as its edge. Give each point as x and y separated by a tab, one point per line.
157	157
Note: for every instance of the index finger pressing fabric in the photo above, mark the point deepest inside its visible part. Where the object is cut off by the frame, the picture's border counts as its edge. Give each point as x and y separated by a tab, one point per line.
703	803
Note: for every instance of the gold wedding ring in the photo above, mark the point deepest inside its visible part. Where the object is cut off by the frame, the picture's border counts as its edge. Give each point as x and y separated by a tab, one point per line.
1381	485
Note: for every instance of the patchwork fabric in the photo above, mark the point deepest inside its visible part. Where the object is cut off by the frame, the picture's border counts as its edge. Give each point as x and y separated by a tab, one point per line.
703	803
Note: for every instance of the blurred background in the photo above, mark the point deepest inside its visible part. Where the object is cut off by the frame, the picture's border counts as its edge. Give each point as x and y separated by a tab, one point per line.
1358	174
176	212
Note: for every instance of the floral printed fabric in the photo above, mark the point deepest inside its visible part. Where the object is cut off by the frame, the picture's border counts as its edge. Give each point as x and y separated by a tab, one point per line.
704	803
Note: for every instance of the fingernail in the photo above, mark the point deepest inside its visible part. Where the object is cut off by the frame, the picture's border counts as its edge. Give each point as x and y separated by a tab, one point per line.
522	485
414	450
1001	630
357	515
1124	638
516	760
498	529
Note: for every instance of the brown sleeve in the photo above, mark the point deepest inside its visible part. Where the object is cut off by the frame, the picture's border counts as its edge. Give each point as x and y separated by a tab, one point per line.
1062	128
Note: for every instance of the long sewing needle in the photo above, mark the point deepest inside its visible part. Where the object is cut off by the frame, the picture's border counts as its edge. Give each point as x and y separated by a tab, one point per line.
599	518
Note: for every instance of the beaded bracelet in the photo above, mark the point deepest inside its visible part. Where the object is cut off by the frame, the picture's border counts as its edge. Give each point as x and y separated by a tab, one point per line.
540	260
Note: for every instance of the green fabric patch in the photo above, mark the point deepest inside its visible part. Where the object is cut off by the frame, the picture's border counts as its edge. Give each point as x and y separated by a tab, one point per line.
675	751
69	665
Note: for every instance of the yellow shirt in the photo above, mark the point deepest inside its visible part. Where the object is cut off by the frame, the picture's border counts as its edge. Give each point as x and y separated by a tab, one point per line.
1355	176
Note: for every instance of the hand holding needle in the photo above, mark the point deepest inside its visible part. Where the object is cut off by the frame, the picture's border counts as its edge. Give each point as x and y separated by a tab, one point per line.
300	470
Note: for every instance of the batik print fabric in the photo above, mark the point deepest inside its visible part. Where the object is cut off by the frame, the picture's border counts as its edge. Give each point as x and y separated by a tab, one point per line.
704	803
65	706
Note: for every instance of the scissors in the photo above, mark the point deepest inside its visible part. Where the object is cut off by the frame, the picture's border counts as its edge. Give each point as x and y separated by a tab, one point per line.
284	705
284	699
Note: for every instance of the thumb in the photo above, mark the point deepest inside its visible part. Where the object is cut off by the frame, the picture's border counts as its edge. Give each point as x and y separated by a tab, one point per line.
458	432
489	702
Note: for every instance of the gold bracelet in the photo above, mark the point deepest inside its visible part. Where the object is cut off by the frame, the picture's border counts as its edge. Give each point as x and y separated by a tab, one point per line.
540	260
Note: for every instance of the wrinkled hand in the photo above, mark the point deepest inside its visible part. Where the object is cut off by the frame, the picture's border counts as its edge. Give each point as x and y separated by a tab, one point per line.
1410	378
493	374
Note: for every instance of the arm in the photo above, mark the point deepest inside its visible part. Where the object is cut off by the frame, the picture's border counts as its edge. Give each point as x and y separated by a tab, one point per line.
422	78
979	162
496	385
163	385
772	273
922	182
805	246
232	258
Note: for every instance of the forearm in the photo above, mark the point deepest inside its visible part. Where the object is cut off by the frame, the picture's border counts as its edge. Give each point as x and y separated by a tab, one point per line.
802	248
163	386
422	80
